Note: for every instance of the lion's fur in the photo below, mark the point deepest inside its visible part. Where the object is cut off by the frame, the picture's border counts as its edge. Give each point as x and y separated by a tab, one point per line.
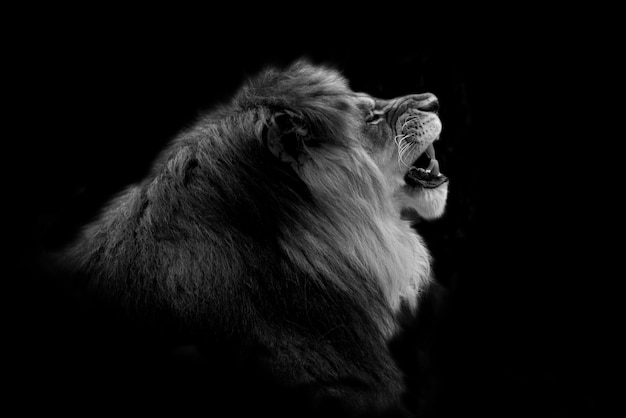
236	235
428	203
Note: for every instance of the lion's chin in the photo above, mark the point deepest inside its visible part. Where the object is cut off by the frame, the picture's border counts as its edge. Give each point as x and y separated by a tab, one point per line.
428	203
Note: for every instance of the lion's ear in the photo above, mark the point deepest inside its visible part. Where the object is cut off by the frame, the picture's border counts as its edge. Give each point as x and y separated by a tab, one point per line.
286	135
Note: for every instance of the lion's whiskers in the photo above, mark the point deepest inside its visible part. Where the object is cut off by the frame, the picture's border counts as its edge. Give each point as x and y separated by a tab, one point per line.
409	119
403	147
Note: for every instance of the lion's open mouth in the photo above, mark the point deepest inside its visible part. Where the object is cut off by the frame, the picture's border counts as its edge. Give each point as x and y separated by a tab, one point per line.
415	127
424	172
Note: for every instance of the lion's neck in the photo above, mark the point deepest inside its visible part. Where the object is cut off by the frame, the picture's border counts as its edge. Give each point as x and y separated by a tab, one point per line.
388	256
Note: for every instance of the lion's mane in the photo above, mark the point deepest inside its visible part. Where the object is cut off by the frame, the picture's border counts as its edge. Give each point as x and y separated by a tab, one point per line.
268	225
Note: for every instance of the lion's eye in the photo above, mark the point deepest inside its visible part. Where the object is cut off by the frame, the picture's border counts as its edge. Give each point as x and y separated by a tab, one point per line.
373	118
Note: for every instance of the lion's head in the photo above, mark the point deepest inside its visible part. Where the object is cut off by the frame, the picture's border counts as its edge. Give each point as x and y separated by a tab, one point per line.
325	118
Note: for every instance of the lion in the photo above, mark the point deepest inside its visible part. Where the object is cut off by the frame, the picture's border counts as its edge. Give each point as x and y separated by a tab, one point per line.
273	228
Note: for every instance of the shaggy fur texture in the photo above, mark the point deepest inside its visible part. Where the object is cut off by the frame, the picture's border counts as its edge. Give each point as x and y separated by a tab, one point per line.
273	226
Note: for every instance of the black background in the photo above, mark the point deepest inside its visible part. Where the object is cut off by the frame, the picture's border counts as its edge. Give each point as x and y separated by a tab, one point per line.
96	99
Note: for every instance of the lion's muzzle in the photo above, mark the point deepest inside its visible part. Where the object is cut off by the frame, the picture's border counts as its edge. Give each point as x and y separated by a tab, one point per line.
416	123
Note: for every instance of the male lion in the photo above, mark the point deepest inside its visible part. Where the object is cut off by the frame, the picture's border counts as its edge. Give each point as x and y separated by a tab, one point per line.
273	229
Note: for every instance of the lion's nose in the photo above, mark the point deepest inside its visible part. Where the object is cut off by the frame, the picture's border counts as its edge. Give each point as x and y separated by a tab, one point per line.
428	103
